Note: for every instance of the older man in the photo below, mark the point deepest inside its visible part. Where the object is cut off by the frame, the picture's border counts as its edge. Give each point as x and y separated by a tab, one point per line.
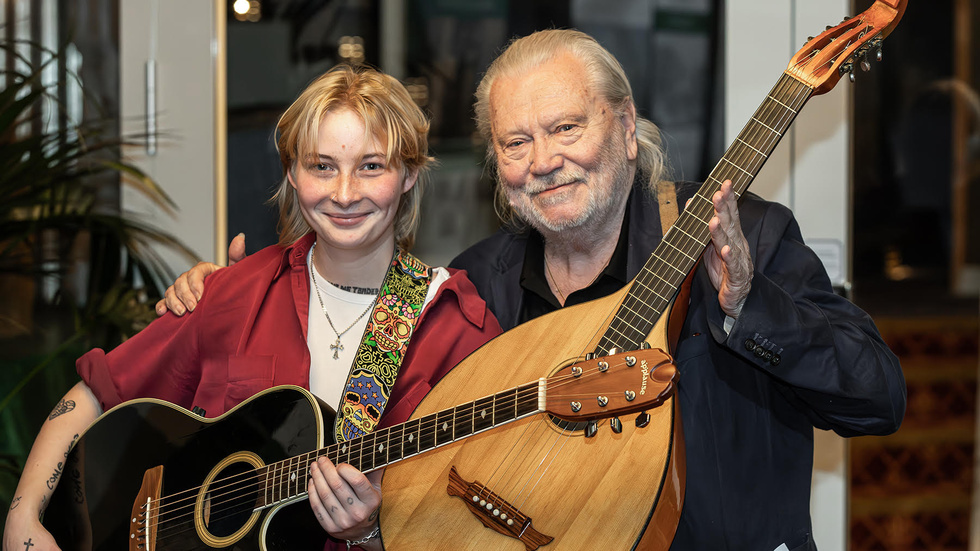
580	168
579	175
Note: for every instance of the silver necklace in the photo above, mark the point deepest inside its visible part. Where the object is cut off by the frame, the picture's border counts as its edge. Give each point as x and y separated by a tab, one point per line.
336	346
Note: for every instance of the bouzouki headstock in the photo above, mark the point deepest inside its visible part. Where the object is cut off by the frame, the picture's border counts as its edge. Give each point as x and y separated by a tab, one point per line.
611	385
824	59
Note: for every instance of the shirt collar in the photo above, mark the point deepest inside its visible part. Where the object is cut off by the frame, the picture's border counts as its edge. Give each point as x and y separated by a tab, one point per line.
294	256
533	277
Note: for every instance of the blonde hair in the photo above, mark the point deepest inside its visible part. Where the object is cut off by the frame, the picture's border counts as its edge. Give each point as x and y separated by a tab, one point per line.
389	114
605	75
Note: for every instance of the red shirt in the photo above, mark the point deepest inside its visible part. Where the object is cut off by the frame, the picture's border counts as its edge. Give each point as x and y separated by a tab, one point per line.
248	333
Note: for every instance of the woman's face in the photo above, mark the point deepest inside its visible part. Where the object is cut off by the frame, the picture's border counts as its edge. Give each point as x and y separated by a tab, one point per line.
347	191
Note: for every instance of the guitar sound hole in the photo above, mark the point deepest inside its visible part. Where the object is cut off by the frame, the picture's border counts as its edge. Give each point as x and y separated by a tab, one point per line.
231	500
569	426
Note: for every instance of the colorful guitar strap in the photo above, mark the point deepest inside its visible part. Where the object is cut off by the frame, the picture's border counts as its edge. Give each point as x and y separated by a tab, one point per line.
383	347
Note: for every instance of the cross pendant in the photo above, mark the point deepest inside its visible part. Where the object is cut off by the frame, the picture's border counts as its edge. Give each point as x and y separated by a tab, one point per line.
336	347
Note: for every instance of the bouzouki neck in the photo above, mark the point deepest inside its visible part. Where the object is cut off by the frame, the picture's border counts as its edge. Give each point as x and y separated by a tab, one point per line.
815	69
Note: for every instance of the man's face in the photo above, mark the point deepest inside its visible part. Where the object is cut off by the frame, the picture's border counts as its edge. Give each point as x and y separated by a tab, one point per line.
564	157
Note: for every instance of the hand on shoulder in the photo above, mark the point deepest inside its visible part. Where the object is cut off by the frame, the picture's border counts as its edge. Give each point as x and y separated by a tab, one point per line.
182	296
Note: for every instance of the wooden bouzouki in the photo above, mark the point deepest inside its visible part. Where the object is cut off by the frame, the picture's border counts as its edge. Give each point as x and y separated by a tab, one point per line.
618	487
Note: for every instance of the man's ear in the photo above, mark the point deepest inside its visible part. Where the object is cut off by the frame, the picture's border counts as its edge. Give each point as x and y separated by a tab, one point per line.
628	119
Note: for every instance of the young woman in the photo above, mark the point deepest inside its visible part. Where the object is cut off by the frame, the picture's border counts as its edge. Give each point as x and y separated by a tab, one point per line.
338	304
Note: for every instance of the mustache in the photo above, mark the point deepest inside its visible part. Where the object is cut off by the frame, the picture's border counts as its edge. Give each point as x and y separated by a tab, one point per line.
557	179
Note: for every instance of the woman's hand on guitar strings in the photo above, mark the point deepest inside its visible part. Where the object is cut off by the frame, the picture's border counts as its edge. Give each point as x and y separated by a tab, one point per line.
344	500
727	256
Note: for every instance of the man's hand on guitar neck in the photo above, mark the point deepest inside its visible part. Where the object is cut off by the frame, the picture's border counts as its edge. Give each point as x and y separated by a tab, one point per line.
727	256
346	502
182	296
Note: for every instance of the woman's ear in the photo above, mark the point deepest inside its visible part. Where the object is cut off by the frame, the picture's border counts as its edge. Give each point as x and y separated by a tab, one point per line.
411	176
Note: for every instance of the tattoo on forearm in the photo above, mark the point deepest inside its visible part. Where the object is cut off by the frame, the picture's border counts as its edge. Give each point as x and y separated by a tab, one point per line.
64	406
15	503
53	479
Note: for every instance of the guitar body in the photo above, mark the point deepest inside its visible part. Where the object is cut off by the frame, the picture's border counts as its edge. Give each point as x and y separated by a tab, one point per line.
610	491
91	507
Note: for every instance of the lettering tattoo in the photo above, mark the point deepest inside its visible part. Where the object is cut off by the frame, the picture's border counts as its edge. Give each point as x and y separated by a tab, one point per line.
15	503
64	406
53	479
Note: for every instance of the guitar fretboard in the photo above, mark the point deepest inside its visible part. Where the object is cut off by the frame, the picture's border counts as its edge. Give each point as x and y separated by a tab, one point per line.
286	480
674	258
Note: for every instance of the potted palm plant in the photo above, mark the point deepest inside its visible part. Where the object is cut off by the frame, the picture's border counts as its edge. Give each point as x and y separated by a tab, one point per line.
75	272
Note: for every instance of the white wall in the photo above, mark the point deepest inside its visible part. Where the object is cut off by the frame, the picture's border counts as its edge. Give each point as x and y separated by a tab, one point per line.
809	172
181	35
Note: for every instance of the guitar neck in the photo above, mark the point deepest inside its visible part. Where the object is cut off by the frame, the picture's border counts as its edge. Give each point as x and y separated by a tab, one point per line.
678	252
286	480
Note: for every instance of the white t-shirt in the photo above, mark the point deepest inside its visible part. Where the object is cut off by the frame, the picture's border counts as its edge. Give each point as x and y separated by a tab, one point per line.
328	376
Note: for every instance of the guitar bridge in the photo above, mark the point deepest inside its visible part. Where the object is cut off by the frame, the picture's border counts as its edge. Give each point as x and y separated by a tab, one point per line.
143	524
495	513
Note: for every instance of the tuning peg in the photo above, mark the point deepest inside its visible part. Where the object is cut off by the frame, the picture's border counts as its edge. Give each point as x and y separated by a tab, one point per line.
591	428
878	55
850	76
642	420
616	424
865	65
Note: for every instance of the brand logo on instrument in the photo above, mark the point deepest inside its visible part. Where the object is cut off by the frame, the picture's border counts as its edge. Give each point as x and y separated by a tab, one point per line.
646	376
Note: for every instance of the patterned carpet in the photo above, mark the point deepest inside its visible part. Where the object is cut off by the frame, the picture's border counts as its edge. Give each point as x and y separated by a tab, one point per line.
912	490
